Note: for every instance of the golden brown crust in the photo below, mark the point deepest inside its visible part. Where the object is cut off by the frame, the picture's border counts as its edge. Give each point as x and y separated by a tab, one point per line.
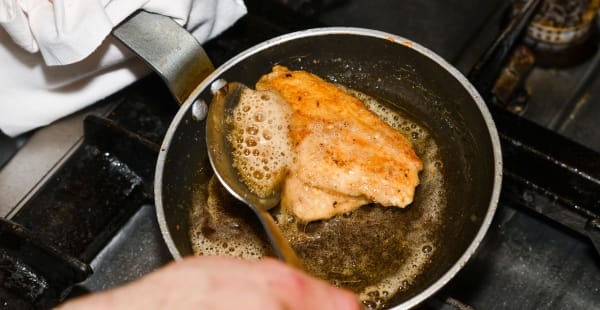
344	152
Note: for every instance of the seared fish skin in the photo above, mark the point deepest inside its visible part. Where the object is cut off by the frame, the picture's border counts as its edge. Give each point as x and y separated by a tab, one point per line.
346	156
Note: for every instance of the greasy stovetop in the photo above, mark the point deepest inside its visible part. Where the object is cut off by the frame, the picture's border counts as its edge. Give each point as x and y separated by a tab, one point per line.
525	261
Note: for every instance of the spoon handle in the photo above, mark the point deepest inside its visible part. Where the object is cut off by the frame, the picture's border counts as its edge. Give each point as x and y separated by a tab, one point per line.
280	244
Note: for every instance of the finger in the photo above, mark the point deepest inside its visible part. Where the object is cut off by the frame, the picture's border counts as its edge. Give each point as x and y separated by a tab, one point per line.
297	290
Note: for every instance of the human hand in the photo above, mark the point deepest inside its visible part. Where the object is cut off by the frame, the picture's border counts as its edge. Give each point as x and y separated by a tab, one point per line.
211	282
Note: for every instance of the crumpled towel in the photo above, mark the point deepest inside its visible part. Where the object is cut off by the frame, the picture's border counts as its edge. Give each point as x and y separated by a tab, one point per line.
57	56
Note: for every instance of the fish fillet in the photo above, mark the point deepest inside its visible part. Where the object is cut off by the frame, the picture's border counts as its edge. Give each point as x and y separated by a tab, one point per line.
345	156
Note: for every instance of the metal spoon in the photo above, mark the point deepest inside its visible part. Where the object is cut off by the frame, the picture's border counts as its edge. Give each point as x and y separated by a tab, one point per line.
224	101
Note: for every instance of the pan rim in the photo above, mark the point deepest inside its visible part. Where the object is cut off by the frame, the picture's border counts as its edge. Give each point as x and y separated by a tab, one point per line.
484	112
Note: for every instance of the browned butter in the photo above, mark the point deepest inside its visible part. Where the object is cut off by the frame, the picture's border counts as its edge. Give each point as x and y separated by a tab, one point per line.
375	251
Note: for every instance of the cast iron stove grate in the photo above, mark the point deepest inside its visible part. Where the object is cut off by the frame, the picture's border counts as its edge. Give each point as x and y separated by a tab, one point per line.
96	205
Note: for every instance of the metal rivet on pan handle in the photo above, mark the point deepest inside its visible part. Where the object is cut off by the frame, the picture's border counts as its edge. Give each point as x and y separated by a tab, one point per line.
216	85
199	110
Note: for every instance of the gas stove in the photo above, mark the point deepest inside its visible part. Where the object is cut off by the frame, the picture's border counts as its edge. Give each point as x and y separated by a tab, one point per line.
77	203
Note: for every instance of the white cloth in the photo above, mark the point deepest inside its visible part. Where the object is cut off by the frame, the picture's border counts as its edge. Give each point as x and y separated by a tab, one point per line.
62	59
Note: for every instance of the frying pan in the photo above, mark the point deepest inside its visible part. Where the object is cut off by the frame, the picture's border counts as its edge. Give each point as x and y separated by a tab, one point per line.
392	69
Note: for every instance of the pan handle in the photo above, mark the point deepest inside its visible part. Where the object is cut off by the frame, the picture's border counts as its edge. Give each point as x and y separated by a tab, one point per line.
168	48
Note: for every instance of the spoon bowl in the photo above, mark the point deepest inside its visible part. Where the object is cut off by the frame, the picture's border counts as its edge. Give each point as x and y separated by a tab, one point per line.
220	153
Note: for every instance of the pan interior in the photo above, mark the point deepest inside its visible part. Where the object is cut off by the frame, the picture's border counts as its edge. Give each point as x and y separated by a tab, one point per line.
392	73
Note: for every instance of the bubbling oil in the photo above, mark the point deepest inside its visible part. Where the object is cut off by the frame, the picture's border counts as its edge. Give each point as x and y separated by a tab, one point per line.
377	252
222	225
260	139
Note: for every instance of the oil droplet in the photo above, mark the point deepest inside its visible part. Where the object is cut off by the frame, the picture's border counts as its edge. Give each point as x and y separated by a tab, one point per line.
373	294
257	174
250	141
252	130
267	135
259	117
405	284
369	304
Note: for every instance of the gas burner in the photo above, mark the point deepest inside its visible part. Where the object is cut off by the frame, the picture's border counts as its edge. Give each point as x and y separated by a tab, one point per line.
562	32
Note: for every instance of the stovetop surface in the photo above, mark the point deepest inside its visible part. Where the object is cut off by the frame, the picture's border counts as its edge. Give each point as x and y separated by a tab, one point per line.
525	261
